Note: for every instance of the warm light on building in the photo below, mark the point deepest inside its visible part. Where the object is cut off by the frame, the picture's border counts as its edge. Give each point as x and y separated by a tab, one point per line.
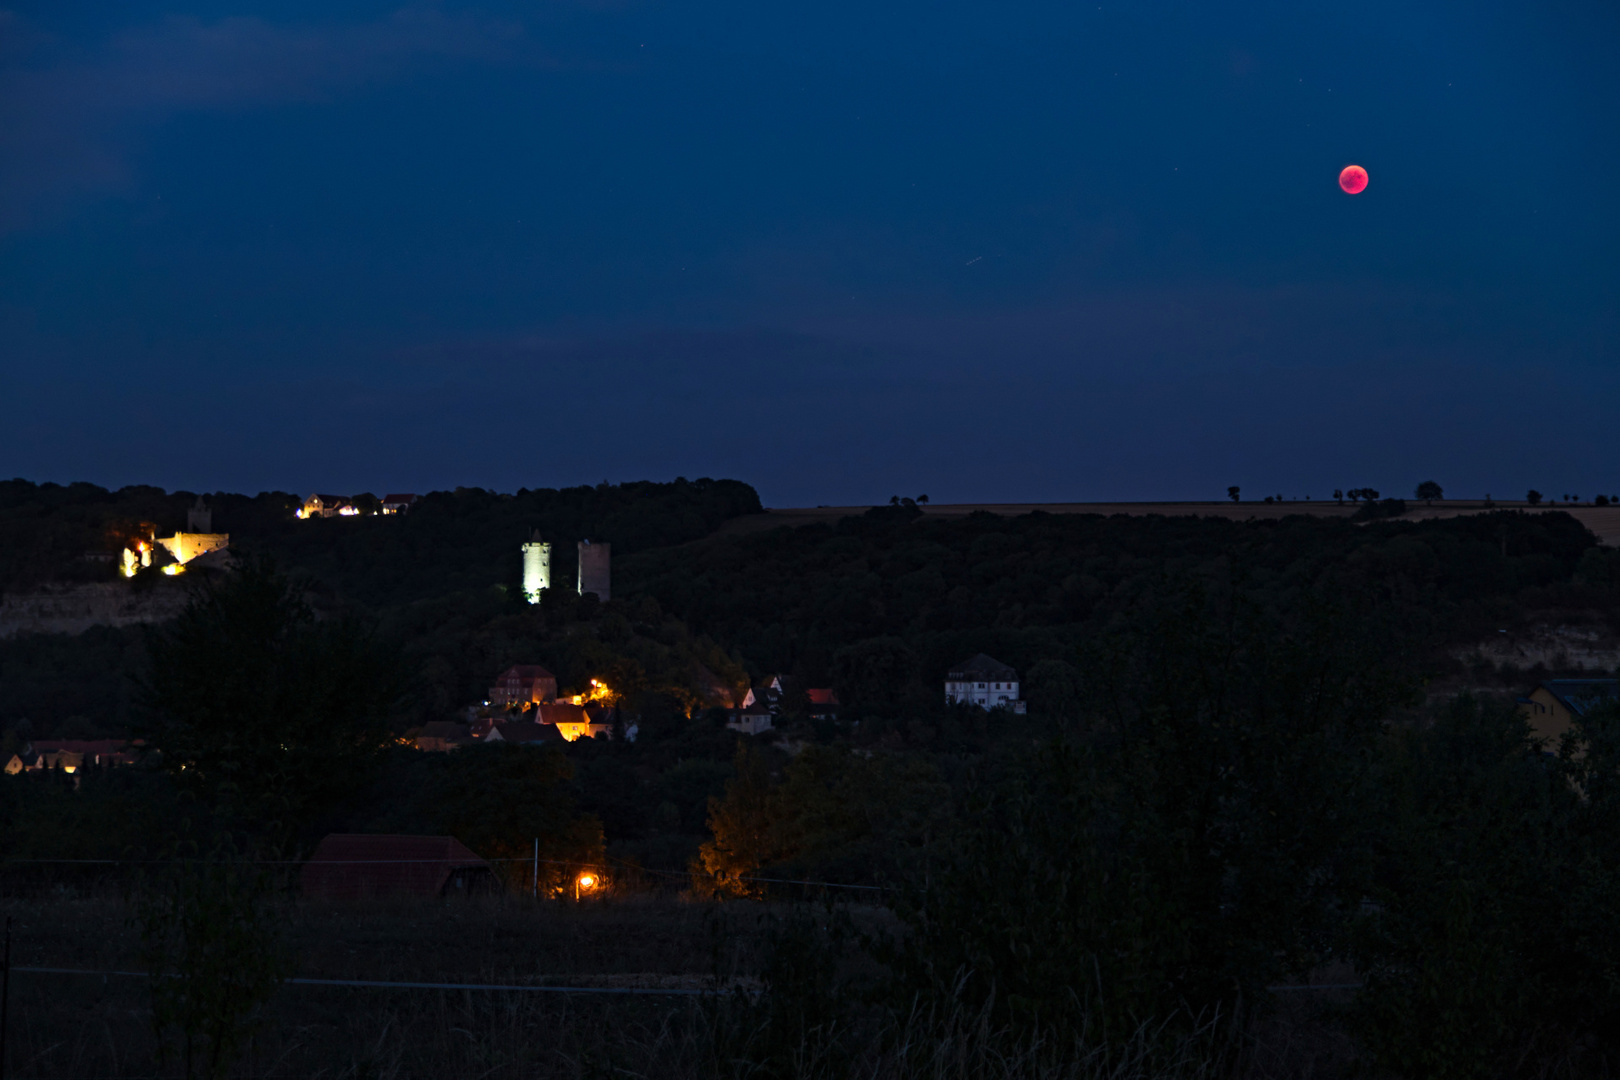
174	568
571	732
599	694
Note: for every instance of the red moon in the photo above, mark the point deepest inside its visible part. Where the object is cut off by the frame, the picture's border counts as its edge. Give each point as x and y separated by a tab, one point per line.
1353	178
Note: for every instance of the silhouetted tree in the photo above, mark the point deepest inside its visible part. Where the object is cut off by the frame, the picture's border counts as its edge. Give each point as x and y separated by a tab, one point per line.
874	677
500	799
260	709
741	826
1429	491
1533	497
1339	495
1232	492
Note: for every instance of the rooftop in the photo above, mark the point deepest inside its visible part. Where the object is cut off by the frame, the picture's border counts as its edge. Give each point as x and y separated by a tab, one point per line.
980	668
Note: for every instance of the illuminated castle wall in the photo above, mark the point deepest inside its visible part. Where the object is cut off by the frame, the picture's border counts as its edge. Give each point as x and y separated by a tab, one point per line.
184	547
536	567
199	537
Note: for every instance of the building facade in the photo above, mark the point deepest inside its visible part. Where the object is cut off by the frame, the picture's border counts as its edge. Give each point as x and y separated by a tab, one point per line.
577	721
985	682
523	684
751	719
327	506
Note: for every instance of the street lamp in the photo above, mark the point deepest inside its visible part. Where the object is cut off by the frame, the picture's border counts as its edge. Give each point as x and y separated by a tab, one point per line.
584	883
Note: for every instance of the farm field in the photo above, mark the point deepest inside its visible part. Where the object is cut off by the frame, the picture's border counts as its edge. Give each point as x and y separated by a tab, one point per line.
64	1025
81	1026
1604	521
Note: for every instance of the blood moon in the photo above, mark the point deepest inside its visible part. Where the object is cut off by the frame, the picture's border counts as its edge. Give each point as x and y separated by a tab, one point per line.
1353	179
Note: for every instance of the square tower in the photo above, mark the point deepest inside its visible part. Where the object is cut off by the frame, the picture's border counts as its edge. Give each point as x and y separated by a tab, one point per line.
595	572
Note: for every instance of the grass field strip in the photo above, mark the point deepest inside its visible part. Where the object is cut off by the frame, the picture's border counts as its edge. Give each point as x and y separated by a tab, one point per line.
396	985
379	984
439	862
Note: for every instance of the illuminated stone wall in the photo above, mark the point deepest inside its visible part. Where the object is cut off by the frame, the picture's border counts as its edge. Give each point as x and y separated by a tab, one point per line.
184	547
536	568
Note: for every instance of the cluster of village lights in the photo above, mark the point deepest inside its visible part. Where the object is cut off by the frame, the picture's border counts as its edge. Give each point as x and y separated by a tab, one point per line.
599	692
140	557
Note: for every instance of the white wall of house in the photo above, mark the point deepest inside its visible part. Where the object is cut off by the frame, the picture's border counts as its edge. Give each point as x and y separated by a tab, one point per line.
750	723
984	694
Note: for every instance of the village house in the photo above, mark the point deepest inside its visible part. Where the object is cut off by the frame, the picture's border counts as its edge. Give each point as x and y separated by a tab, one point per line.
523	732
823	702
985	682
1553	707
70	755
577	721
766	692
327	506
397	504
523	684
352	866
751	719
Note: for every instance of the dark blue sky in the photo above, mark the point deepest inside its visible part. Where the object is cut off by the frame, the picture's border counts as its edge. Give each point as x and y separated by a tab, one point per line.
837	248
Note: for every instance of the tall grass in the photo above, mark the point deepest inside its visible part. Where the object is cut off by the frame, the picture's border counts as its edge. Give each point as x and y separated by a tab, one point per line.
79	1027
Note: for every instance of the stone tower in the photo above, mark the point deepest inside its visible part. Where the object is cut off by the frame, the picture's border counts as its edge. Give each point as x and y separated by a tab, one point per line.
200	519
536	567
595	572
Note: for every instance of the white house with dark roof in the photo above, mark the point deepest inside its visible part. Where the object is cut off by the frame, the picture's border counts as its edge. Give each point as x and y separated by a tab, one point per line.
985	682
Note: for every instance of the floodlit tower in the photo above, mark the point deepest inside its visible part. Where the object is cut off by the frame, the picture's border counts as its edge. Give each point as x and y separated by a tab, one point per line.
595	574
536	567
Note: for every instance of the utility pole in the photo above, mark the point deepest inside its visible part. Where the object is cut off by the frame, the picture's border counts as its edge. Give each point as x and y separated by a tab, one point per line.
5	997
536	875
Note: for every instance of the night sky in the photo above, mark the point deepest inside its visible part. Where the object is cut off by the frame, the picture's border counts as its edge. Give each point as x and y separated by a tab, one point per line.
840	249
